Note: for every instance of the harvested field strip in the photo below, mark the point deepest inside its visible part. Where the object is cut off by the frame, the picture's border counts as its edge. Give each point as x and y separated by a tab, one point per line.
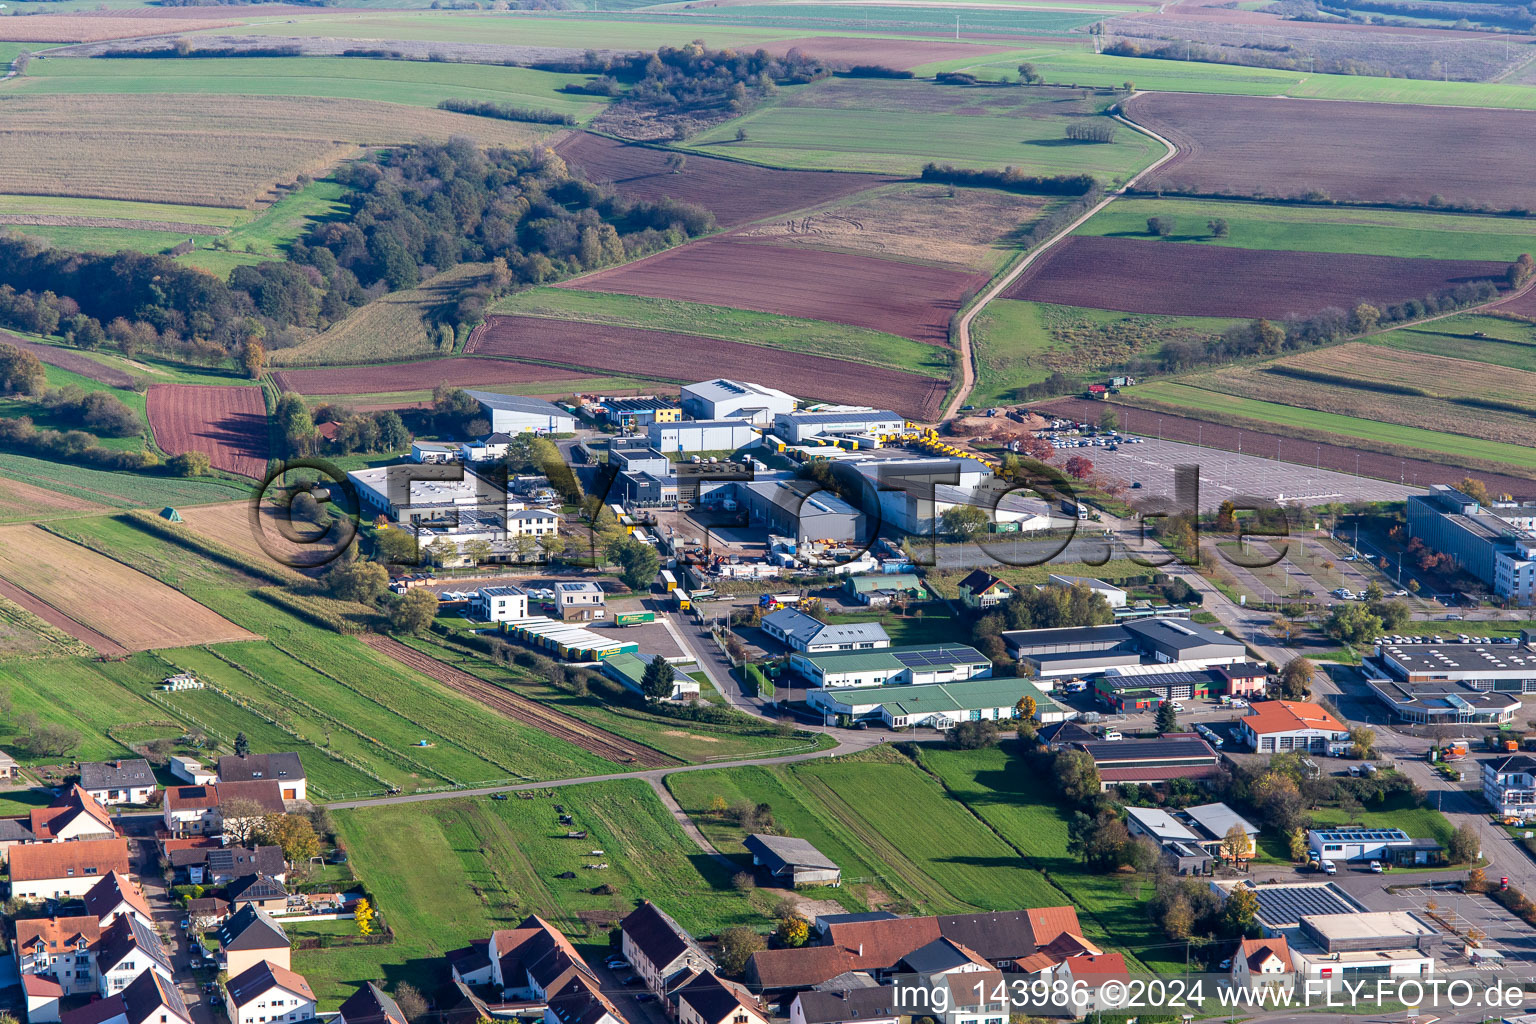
884	295
1137	276
68	359
77	28
684	358
228	424
1186	399
1482	339
210	219
784	333
1394	152
185	150
129	608
1372	366
51	615
522	709
424	375
893	53
735	192
20	500
1299	446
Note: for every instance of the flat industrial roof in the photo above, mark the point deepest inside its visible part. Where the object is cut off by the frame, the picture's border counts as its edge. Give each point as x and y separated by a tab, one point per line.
1381	924
898	658
1470	658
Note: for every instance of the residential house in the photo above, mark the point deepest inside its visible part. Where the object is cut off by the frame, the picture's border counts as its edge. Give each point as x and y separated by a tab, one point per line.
128	781
980	589
75	814
1277	726
200	810
117	895
283	767
1113	595
61	950
533	960
204	860
207	913
193	771
41	871
248	937
580	601
791	862
708	999
1260	962
1060	735
370	1005
1093	972
260	891
969	997
8	766
149	1000
809	635
268	994
471	964
1509	785
659	949
581	1001
490	448
127	949
872	1004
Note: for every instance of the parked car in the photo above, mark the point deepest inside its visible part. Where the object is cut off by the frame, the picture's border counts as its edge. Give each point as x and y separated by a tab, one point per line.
644	997
1376	867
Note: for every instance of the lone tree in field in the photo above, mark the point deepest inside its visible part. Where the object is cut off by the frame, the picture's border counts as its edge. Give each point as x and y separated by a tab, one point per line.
1235	845
1217	227
676	162
741	135
1079	467
1029	76
414	612
1364	318
1162	227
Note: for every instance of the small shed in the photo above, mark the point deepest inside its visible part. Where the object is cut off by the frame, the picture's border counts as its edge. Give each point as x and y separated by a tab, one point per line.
8	766
786	860
170	513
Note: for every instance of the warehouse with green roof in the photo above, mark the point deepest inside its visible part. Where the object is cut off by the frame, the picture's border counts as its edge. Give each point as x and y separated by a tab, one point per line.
938	705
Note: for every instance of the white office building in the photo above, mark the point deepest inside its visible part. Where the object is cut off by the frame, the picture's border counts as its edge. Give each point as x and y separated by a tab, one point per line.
722	399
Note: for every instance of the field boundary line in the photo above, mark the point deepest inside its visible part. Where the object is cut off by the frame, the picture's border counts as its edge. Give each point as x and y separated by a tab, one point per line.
999	283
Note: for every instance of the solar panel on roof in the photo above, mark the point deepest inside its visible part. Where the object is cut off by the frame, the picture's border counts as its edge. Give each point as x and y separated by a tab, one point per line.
1283	904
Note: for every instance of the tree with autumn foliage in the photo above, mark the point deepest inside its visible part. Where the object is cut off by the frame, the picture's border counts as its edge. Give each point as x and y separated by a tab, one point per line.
1080	467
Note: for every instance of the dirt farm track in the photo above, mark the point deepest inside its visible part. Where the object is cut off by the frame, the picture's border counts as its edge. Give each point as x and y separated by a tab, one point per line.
1337	457
228	424
1177	279
522	709
687	357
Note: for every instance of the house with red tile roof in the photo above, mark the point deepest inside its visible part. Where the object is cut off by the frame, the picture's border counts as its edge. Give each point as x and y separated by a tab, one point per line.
1277	726
42	871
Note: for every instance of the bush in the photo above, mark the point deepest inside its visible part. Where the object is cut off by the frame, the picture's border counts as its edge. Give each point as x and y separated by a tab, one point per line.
506	112
1011	179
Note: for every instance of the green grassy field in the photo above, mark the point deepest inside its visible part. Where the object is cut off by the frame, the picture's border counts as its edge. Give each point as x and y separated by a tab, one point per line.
444	873
48	419
907	20
1020	343
1077	65
1186	399
1418	822
87	239
69	206
512	28
924	848
171	564
897	126
266	236
995	787
945	583
103	695
1317	229
416	83
119	489
935	625
816	337
1483	339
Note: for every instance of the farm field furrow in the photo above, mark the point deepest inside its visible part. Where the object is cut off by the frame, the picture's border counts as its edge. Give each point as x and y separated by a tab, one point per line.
1364	152
1140	276
423	375
228	424
684	358
735	192
131	609
897	127
1376	232
884	295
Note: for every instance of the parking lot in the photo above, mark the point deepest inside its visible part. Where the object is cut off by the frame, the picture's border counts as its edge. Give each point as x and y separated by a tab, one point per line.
1230	475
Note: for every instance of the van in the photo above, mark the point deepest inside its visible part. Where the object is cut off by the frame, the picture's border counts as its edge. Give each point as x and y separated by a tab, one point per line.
1330	868
1112	734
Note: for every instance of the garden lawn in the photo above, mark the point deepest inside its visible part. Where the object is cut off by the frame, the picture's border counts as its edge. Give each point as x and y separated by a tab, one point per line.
1187	399
445	873
1402	233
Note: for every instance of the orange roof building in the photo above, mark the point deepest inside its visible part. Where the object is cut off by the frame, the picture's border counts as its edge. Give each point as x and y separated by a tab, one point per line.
42	871
1275	726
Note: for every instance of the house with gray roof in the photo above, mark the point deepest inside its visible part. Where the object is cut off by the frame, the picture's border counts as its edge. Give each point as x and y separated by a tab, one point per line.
283	767
802	632
126	781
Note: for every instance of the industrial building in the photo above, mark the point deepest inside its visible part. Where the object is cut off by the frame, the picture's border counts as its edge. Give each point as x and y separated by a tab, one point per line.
1358	843
1458	682
1333	938
914	494
1191	840
929	663
722	399
567	640
938	705
801	509
879	589
800	427
723	435
1154	762
1499	551
450	502
809	635
785	859
1277	726
628	670
632	414
498	604
515	414
1130	688
1087	651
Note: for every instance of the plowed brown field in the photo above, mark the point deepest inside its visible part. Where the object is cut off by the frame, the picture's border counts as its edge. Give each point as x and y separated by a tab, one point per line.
686	358
884	295
736	193
1138	276
418	376
1370	152
229	424
522	709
